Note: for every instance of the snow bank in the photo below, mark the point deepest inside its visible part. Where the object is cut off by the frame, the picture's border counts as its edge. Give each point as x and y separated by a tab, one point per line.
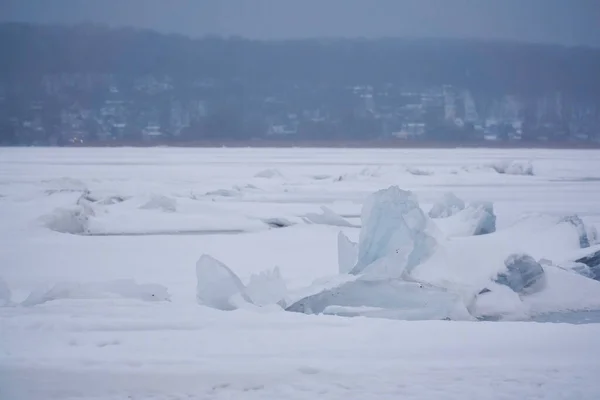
392	225
119	288
5	293
514	167
74	220
161	203
269	174
266	288
328	217
217	284
447	206
347	253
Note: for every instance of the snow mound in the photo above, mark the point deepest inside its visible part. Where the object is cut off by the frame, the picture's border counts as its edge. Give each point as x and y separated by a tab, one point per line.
514	167
392	225
384	298
217	284
347	253
74	220
269	174
447	206
5	293
523	274
266	288
125	288
161	203
327	217
499	303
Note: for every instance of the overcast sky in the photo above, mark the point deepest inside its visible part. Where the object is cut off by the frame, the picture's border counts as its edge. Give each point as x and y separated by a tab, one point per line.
550	21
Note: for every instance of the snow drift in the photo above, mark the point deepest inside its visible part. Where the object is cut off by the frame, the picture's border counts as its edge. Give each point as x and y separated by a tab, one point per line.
125	288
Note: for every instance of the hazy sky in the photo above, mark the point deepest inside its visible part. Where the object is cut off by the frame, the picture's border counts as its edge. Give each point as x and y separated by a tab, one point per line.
550	21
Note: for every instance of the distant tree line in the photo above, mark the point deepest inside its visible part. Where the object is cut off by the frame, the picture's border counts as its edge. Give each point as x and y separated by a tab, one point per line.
248	87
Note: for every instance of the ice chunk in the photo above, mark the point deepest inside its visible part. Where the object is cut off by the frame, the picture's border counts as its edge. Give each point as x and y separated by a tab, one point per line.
266	288
484	215
393	225
125	288
498	303
225	192
73	220
418	171
5	293
514	167
162	203
592	261
476	219
277	222
328	217
269	174
347	253
217	284
448	205
582	230
389	298
523	274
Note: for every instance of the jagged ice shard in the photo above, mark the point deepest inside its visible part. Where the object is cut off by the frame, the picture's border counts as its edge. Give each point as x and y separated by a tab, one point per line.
393	227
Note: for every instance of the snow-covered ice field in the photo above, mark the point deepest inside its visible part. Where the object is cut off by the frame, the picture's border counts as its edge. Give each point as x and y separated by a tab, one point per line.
149	214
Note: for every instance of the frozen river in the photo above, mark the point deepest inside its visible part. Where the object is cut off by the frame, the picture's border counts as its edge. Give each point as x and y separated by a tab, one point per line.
163	208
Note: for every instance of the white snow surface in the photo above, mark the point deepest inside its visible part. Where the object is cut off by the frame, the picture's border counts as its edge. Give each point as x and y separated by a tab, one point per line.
114	347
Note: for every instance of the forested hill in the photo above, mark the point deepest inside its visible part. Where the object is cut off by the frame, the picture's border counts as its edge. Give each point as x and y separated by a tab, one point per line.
289	86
